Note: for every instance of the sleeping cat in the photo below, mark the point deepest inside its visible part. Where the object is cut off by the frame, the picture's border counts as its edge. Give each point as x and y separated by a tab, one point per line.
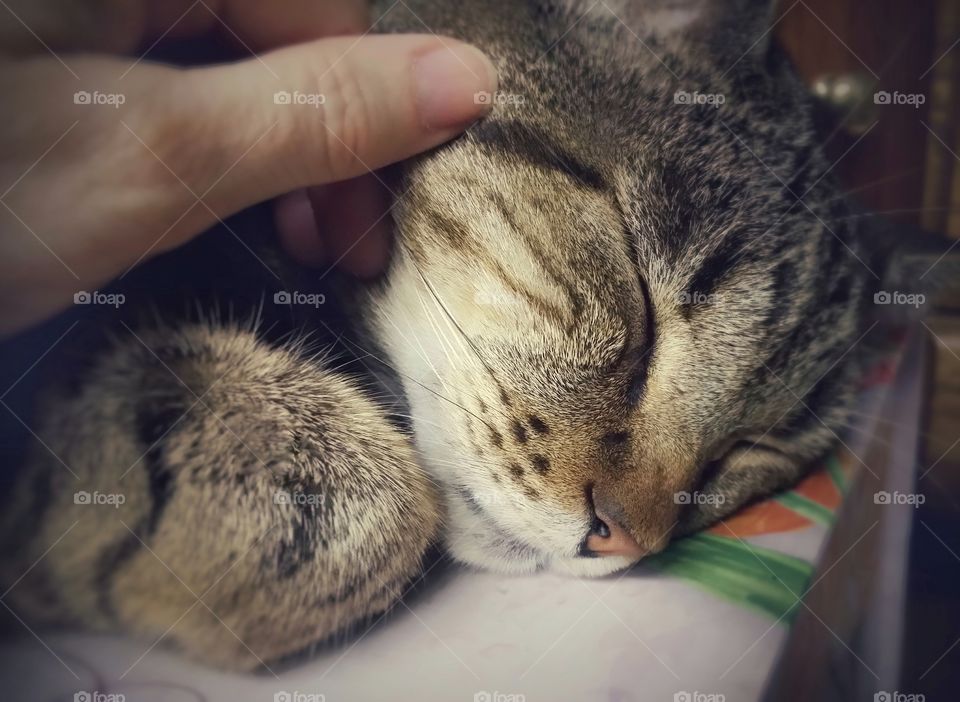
635	279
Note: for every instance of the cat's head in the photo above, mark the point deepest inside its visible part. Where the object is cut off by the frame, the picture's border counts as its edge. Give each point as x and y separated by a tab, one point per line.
629	300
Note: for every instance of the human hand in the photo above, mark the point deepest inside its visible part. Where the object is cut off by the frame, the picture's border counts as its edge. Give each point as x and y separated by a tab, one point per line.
107	160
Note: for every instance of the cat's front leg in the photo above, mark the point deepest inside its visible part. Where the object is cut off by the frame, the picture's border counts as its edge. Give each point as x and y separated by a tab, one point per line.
211	490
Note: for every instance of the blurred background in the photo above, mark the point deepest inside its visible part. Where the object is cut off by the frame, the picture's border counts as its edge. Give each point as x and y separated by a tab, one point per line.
902	158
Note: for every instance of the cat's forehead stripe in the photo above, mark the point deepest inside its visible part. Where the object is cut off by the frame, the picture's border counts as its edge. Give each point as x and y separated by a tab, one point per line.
535	147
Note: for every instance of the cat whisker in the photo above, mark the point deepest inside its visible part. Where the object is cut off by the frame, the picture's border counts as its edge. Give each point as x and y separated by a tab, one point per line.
441	337
470	460
446	384
460	464
471	395
456	324
839	197
871	184
847	426
884	213
414	380
423	351
890	422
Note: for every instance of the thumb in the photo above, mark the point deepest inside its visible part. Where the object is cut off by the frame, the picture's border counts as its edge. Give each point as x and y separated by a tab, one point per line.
316	113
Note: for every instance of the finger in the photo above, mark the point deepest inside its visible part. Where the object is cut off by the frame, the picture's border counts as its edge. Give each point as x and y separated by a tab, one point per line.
129	162
353	222
311	114
344	224
297	228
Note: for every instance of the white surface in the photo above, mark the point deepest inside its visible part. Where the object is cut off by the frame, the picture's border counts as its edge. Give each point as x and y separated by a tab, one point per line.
643	636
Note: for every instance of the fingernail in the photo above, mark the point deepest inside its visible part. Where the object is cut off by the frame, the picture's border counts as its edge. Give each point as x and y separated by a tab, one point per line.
453	84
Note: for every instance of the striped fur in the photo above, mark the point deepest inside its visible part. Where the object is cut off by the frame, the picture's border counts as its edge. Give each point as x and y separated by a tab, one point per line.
599	298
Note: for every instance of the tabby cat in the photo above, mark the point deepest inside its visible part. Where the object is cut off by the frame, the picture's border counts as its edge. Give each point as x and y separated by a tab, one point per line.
636	279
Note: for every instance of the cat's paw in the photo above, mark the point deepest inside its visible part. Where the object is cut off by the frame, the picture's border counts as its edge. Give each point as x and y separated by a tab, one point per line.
269	503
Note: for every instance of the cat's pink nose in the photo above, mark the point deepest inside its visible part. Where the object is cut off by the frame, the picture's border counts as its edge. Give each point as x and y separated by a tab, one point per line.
611	539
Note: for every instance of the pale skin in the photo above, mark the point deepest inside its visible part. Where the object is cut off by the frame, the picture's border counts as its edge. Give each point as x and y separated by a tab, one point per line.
92	186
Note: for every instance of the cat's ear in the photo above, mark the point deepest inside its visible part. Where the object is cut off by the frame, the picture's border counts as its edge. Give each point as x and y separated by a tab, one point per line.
740	28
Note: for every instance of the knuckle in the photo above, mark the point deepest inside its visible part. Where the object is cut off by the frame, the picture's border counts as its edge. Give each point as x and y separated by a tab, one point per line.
158	136
178	141
346	120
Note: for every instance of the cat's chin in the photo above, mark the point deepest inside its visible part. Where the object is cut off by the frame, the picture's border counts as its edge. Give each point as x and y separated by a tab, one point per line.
481	549
507	564
474	538
488	551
